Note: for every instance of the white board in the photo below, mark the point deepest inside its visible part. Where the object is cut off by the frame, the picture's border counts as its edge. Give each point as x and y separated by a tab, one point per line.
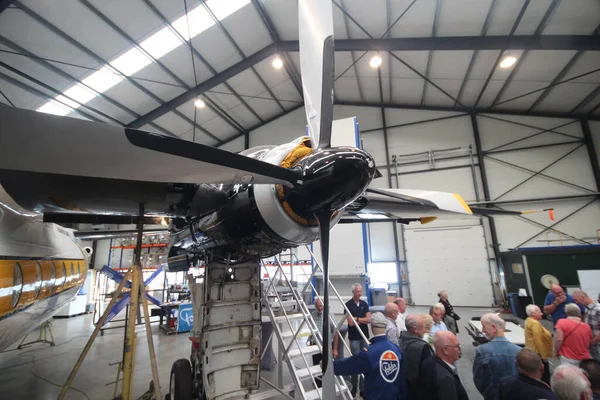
454	260
589	281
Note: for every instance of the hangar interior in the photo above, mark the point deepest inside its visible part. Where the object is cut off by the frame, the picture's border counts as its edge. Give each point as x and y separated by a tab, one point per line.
497	101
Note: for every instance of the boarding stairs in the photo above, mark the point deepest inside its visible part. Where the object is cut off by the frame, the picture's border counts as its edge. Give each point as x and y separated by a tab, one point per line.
291	330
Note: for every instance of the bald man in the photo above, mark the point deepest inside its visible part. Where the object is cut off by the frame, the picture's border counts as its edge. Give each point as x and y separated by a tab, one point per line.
438	379
495	360
415	351
528	384
391	312
555	303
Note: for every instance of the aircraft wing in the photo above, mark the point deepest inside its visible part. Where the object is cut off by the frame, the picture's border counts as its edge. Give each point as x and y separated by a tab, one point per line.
40	143
407	205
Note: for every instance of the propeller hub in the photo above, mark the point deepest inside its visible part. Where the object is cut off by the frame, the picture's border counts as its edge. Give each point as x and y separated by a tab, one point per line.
333	178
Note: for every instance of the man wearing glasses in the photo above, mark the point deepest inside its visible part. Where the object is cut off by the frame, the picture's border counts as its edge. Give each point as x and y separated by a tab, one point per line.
438	379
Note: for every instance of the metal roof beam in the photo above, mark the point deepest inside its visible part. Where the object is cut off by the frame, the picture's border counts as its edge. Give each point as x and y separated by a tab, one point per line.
354	60
287	61
70	77
434	28
208	84
135	44
39	93
521	61
519	42
242	55
484	29
195	52
96	57
477	110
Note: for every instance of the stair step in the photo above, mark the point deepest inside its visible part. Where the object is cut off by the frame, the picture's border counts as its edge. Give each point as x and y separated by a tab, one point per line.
304	373
286	302
289	334
307	351
316	393
291	317
267	394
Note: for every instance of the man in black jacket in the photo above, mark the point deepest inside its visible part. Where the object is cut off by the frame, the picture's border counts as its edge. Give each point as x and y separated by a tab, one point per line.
438	379
528	384
414	350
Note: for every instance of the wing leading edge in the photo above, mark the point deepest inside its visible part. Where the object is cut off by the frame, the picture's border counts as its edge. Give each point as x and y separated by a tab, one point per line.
407	205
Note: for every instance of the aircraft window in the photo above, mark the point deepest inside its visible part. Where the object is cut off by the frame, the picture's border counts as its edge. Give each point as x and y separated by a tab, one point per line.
38	279
72	277
63	280
52	281
17	284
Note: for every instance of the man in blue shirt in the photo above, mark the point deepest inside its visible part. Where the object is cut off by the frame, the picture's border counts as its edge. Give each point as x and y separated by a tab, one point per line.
382	365
437	313
495	360
555	303
359	318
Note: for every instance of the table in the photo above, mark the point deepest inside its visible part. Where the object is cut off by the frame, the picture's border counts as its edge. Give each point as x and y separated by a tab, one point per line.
513	332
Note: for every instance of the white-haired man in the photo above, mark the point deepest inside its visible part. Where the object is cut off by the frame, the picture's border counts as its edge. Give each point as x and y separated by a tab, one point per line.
400	321
592	318
437	312
495	360
569	382
359	312
391	314
538	338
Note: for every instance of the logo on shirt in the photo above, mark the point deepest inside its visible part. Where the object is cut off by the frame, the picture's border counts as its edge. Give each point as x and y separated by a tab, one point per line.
389	365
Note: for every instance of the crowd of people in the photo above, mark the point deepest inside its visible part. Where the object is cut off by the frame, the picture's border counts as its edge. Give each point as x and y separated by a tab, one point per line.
416	356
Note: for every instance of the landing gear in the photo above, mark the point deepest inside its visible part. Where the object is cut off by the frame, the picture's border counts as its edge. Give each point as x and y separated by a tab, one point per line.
180	385
226	336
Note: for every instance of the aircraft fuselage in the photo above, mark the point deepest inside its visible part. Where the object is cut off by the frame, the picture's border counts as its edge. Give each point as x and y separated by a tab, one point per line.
41	269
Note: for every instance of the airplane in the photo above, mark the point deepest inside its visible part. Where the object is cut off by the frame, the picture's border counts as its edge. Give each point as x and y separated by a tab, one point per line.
226	210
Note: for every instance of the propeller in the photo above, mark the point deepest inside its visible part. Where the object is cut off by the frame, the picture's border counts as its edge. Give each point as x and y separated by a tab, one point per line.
316	67
317	70
41	143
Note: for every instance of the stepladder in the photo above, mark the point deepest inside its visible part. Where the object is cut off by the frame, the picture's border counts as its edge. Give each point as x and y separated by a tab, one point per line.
298	337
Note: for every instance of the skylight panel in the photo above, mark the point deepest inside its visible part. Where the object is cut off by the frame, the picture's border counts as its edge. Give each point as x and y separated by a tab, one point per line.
79	93
223	9
161	43
200	20
102	80
62	99
130	62
54	107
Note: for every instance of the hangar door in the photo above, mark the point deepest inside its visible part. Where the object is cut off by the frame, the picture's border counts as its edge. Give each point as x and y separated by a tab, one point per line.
451	259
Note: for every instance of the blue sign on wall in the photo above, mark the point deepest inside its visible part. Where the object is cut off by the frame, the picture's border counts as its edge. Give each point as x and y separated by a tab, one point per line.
185	321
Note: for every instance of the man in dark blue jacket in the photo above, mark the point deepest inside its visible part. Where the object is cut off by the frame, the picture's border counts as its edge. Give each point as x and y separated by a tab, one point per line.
381	364
528	384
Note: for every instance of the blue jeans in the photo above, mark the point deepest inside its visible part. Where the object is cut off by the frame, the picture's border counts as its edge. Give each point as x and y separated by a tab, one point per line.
355	347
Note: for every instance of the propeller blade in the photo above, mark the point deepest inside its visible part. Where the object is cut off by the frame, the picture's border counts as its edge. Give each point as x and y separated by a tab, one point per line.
316	66
37	142
324	218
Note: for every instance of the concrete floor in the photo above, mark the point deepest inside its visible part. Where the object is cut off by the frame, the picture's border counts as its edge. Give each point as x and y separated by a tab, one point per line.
37	372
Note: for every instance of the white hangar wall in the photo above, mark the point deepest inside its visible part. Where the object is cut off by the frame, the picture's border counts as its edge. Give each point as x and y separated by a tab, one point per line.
435	150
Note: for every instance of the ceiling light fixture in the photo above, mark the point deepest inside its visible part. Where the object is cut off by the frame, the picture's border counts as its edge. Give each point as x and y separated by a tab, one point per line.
375	61
508	62
199	103
277	63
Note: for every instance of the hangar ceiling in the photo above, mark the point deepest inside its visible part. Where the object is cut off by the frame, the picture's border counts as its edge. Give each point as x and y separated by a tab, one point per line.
145	63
